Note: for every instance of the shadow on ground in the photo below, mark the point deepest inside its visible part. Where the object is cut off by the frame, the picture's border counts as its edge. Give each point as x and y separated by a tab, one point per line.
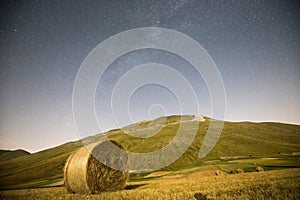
131	187
200	196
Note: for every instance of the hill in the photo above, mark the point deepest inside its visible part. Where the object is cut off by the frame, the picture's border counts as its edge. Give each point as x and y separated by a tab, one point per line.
8	154
238	139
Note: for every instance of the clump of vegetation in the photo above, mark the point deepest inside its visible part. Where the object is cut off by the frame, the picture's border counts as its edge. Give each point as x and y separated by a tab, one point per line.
199	196
259	169
219	173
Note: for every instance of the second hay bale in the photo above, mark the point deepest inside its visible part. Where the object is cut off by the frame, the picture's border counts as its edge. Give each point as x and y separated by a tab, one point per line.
84	173
219	173
259	169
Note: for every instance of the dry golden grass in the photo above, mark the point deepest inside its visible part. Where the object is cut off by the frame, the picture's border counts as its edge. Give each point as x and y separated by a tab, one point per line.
281	184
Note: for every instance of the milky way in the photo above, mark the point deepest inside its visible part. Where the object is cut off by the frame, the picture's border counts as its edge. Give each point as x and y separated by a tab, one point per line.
255	45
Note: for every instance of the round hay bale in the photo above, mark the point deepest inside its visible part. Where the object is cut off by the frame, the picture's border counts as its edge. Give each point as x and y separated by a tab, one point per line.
84	173
240	171
259	169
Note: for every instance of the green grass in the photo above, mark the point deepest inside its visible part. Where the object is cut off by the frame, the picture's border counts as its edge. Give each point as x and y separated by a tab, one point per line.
244	139
8	155
35	183
268	163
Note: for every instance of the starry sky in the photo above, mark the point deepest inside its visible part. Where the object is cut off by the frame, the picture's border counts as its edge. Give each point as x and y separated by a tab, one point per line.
255	45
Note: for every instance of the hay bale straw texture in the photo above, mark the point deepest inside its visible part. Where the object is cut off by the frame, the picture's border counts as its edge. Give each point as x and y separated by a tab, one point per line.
84	173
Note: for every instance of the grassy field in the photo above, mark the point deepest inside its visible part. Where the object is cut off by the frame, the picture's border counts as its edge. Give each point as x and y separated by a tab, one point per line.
244	145
238	141
276	184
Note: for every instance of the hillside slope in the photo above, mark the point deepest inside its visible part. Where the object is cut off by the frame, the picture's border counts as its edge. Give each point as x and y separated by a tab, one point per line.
8	154
237	139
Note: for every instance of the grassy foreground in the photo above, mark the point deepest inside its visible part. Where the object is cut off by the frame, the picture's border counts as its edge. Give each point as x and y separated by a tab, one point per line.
276	184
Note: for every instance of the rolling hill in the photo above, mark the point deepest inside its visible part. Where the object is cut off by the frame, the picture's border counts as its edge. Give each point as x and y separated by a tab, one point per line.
8	154
238	139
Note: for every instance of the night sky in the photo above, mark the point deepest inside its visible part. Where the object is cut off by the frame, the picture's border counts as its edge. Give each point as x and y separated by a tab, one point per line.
255	45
